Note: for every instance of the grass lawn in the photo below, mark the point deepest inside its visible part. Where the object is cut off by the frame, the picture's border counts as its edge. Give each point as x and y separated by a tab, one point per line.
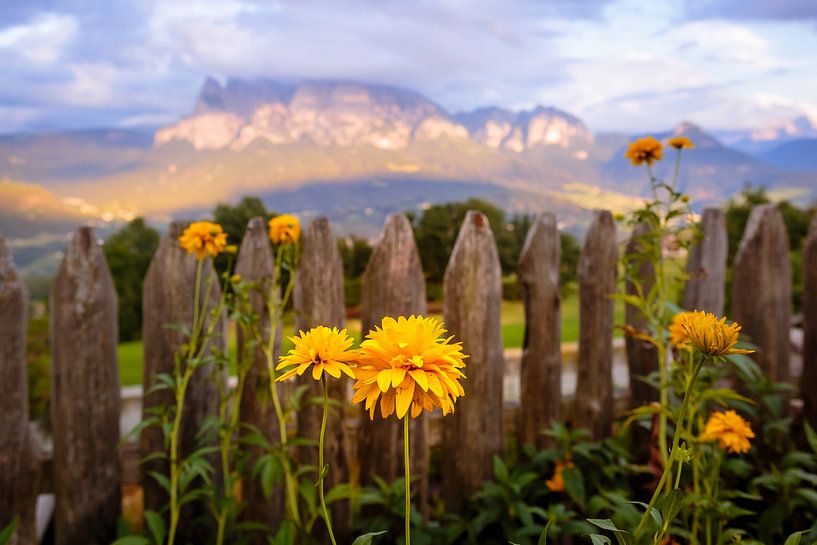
513	331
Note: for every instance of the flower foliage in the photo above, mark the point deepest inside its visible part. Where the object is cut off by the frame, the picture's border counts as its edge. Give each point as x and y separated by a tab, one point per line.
408	364
730	430
321	348
645	150
284	229
203	238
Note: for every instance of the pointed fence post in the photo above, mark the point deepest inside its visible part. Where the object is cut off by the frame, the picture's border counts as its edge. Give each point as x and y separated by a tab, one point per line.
706	266
255	264
541	366
319	300
472	288
593	405
18	467
642	357
393	285
85	401
761	289
808	382
168	300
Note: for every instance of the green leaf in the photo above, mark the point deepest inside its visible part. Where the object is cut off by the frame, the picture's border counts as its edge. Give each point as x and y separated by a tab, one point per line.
8	531
671	506
574	484
654	514
156	525
163	481
623	537
366	539
543	538
794	539
811	437
599	539
500	469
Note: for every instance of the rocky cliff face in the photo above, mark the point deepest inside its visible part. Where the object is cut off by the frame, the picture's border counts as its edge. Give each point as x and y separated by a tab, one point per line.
345	114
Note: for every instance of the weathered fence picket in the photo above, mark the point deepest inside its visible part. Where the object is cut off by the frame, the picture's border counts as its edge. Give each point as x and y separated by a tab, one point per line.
593	404
319	300
255	264
18	458
472	292
541	367
642	356
761	289
168	300
85	399
706	265
393	285
808	382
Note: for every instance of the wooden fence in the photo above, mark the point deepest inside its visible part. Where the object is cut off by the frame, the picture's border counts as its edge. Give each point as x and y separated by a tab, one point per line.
85	394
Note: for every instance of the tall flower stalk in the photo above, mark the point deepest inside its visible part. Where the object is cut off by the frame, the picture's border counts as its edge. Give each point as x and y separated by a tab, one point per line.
411	366
322	351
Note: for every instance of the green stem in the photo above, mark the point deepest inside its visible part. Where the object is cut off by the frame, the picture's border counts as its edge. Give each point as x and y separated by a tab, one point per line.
407	464
174	456
673	452
321	473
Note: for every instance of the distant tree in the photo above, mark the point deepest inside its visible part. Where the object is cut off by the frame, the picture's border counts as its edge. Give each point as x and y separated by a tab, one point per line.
129	252
569	264
797	222
355	253
233	218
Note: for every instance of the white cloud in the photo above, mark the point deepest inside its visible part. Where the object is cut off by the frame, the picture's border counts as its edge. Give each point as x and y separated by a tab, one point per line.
41	40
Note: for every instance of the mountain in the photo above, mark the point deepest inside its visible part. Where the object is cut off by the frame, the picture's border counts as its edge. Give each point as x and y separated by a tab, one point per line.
351	151
794	155
759	140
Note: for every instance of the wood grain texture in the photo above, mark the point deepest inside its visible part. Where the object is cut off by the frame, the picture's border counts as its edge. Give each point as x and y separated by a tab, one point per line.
706	266
761	289
85	401
808	381
393	285
168	299
541	366
255	264
472	288
593	405
319	300
642	357
18	458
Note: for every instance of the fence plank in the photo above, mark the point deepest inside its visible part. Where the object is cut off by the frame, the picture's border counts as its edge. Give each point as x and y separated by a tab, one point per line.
642	357
593	405
761	289
168	298
472	288
255	264
319	300
393	285
18	477
706	266
541	366
808	383
85	401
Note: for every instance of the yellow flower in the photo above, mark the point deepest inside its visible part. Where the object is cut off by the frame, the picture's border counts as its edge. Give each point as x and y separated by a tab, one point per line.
680	142
557	483
645	150
677	334
284	229
203	238
409	363
708	334
684	198
322	348
730	431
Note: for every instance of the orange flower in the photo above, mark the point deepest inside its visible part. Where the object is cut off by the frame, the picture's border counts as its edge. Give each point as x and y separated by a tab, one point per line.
321	348
408	364
557	483
710	335
645	150
677	334
730	431
203	238
680	142
284	229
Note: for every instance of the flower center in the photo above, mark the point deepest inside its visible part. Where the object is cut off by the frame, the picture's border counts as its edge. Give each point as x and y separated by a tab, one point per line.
409	363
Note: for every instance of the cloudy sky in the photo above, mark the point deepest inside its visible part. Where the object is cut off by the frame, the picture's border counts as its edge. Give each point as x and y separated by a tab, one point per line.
618	64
